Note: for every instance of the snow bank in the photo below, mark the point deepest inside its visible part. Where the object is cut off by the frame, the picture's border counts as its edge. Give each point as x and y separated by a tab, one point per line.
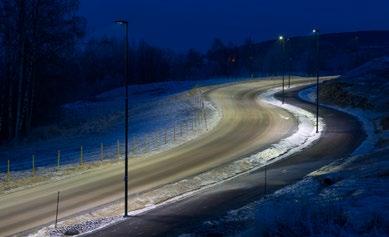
302	138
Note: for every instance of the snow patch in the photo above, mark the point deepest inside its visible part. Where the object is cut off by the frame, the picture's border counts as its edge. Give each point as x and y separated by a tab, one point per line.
302	138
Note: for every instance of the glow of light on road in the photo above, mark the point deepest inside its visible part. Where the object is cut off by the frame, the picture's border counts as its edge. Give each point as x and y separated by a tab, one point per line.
302	138
284	117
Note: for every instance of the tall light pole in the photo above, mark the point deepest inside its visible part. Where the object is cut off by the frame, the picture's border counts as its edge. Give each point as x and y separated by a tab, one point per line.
125	24
289	69
281	39
317	56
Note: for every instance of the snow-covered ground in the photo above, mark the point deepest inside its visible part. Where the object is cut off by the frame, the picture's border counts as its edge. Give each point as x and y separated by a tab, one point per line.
342	199
304	136
155	109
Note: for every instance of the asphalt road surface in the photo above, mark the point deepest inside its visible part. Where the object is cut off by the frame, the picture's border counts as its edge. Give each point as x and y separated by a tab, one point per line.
342	135
246	127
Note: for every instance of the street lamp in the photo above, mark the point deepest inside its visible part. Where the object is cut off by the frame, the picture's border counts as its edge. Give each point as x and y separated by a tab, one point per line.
288	58
316	36
289	70
125	24
281	39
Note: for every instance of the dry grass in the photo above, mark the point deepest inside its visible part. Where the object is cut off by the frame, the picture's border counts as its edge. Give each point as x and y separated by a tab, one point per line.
336	93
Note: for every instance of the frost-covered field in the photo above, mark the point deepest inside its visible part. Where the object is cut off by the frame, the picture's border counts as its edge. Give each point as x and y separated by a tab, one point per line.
304	136
156	110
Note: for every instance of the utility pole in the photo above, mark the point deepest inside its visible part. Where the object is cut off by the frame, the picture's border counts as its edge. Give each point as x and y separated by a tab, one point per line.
317	55
289	69
125	24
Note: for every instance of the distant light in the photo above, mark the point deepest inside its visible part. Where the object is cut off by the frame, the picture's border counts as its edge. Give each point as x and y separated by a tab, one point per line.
121	22
281	37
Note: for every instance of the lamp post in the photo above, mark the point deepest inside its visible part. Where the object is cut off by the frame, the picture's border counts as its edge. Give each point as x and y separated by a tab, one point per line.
316	36
125	24
281	39
289	69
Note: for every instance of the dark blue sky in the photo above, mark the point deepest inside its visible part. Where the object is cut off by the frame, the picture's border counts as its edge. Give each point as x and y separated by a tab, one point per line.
183	24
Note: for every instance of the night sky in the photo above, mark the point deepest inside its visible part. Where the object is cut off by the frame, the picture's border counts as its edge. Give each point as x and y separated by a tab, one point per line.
184	24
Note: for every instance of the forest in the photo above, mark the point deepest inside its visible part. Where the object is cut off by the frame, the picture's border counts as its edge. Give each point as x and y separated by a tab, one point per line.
47	59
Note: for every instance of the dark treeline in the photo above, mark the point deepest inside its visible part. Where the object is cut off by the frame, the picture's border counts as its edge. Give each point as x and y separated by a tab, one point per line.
38	40
45	61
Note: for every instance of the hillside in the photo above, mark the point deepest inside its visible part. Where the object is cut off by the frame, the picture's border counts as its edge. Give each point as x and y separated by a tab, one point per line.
365	87
339	52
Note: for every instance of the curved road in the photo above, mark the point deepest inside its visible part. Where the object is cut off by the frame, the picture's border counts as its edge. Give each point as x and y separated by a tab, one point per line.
245	128
342	135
